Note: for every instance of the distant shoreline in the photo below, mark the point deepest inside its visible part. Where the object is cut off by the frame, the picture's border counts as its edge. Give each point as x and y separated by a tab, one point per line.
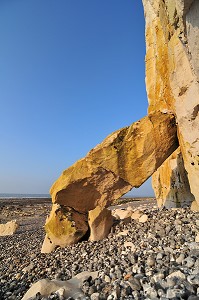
46	196
21	201
24	201
22	196
122	199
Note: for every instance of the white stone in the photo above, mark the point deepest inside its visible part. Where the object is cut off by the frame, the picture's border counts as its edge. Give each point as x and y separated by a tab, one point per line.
78	279
177	274
107	279
197	238
143	218
45	287
95	296
69	288
122	213
129	245
136	215
129	208
125	232
28	268
9	228
60	292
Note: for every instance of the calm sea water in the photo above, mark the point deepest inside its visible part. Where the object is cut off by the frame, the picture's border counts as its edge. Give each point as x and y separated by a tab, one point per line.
10	196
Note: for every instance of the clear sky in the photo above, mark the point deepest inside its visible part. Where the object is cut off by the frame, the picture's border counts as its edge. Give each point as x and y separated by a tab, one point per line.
71	72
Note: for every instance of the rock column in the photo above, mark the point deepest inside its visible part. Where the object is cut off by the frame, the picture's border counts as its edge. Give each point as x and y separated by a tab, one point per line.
172	72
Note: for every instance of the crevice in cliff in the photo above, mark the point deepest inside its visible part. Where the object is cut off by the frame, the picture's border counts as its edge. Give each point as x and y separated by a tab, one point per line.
195	112
183	90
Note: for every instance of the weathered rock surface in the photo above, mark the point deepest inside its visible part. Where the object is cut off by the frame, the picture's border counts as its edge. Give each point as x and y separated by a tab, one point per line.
143	218
100	221
170	183
125	159
136	215
69	288
172	72
63	227
122	214
45	287
9	228
195	206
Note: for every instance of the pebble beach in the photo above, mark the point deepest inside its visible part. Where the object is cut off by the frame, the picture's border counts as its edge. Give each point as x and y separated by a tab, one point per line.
154	259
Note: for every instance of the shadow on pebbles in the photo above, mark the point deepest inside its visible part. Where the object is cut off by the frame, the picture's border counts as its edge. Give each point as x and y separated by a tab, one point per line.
154	259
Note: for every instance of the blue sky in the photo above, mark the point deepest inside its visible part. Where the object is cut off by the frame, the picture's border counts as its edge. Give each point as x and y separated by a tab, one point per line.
71	72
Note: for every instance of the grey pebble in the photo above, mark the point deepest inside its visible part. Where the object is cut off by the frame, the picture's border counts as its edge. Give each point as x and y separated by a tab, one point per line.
160	250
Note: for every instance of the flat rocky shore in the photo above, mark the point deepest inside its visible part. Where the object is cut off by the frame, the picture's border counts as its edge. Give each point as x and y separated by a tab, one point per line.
156	259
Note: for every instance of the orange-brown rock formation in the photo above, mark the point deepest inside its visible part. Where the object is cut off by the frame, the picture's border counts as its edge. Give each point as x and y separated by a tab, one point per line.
125	159
172	72
170	183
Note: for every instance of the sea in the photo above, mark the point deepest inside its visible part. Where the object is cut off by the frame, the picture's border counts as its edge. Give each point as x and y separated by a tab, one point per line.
21	196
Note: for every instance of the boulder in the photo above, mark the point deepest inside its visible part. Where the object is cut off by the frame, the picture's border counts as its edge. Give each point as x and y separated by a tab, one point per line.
69	288
125	159
45	287
143	218
122	214
63	227
195	206
172	72
100	221
136	215
170	183
78	279
48	246
8	228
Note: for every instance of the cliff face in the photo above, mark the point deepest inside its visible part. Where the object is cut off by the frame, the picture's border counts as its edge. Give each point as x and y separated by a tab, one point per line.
170	183
127	157
172	72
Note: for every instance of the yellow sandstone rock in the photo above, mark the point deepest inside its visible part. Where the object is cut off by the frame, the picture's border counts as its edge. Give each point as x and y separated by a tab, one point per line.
172	72
195	206
63	227
125	159
170	183
100	221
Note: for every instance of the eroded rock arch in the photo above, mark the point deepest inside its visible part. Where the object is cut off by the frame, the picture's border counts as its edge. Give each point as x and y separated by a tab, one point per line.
127	157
